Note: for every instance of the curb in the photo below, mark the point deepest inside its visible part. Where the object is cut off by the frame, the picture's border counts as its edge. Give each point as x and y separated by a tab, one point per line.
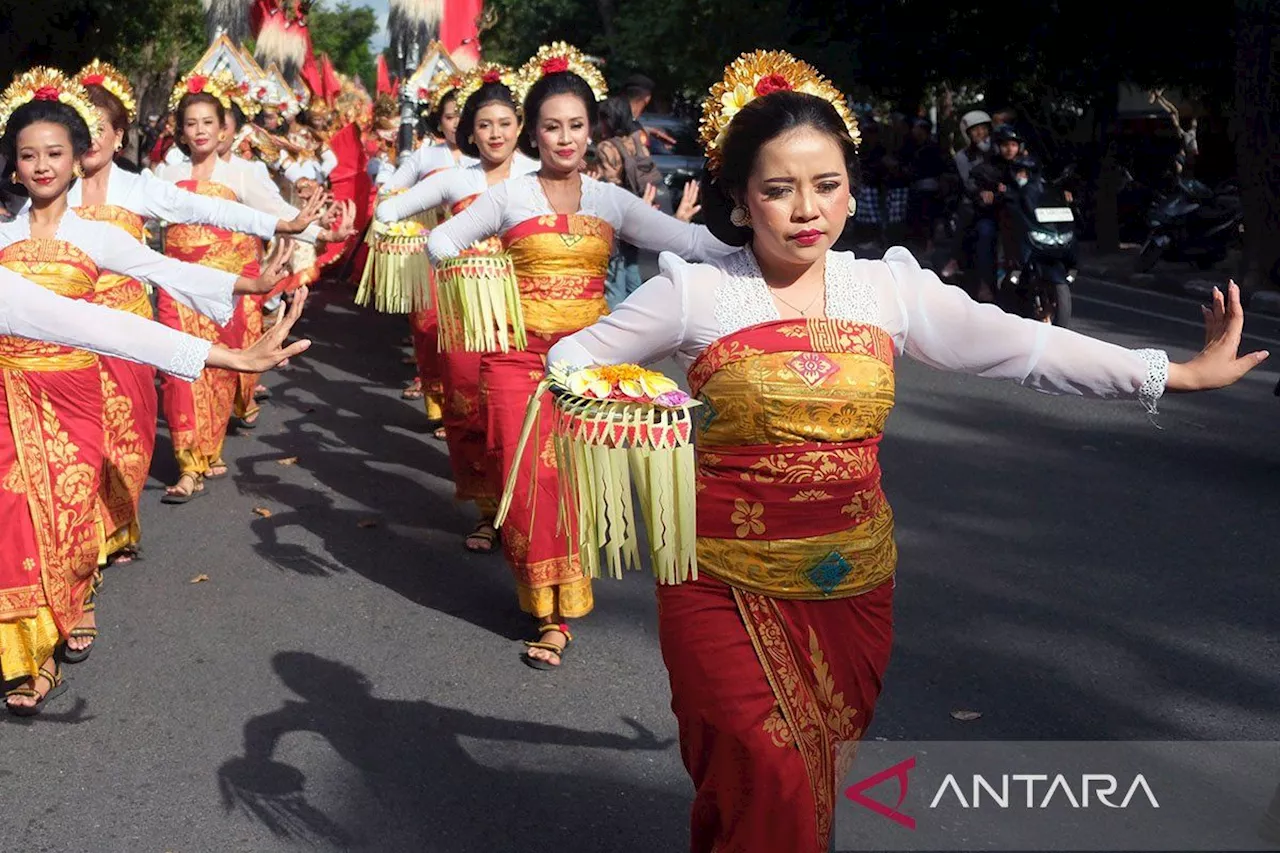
1200	289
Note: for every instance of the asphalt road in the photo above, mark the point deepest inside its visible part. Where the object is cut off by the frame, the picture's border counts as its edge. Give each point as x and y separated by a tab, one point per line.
347	679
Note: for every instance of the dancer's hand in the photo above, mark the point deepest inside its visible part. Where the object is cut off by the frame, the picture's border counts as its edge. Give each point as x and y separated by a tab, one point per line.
269	350
1219	364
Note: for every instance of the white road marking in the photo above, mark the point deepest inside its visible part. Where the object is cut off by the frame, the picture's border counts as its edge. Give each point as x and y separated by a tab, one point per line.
1167	317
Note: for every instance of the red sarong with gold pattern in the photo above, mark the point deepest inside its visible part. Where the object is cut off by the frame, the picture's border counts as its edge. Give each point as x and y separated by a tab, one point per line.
51	460
560	262
464	418
129	398
198	412
777	652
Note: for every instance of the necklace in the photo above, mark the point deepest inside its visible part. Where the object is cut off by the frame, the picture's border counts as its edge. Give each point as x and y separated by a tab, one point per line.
803	312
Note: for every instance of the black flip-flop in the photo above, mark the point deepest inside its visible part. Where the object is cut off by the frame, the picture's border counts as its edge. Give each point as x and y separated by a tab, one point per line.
70	655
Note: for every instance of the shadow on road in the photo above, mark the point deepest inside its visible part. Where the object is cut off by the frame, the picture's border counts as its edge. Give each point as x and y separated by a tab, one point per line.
425	784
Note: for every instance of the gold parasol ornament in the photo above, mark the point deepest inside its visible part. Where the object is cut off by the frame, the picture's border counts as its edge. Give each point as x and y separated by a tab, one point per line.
484	74
558	58
48	84
99	73
754	75
617	429
218	85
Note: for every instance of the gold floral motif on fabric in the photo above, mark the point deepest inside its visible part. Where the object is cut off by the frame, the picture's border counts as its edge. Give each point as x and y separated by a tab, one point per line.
125	458
789	398
748	517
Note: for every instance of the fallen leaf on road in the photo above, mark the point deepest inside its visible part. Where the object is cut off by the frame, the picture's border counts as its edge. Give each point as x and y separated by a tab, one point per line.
966	716
308	411
199	578
367	522
288	460
262	511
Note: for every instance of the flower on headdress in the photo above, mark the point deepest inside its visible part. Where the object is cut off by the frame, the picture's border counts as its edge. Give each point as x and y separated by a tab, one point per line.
92	79
555	65
772	83
423	94
47	93
493	75
196	83
733	100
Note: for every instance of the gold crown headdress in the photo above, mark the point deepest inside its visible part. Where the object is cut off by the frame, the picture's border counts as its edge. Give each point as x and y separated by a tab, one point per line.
558	57
485	73
242	95
218	85
99	73
444	82
754	75
48	84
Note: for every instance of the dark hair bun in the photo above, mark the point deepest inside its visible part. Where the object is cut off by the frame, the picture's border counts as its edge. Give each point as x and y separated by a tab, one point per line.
717	208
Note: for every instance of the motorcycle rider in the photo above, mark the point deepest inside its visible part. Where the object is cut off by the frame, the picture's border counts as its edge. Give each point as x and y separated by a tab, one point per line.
976	230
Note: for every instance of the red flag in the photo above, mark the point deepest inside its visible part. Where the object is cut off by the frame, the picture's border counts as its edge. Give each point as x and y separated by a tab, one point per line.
458	28
310	74
329	78
385	86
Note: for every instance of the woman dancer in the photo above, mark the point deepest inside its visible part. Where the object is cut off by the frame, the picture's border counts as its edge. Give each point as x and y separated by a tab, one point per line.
559	226
127	200
777	651
198	412
427	160
488	129
52	396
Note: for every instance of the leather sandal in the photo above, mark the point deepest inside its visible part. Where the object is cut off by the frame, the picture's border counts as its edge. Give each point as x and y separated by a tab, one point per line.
70	655
56	685
484	533
558	650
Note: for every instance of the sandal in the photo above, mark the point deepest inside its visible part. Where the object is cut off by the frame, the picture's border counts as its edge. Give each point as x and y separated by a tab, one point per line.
413	391
261	393
70	655
56	685
440	434
559	651
209	475
486	534
197	491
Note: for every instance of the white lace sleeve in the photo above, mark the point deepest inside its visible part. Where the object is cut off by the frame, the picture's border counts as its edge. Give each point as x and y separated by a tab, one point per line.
650	228
171	203
646	327
27	310
482	219
203	289
425	195
941	326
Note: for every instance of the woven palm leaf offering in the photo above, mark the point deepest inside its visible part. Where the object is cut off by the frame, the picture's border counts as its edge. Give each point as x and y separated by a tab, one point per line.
479	302
397	274
617	428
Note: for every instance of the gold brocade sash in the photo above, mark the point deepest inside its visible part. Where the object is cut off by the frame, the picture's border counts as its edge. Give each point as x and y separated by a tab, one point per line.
210	246
561	262
64	269
120	291
789	496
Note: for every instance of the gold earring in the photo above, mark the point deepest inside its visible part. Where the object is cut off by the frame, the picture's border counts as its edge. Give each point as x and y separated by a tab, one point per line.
120	145
77	171
740	217
13	178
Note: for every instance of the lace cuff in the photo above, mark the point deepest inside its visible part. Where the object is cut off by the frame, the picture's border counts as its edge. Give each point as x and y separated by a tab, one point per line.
1152	388
189	358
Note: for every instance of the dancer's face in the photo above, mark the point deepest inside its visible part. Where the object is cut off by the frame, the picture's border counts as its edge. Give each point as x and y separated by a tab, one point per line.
449	116
104	147
798	197
495	133
46	160
562	132
201	129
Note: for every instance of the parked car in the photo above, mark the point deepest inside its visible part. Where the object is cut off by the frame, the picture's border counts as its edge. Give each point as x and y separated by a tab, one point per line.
681	162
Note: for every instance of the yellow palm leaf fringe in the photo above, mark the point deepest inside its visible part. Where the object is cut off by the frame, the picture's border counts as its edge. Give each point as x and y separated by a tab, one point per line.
479	302
397	274
605	451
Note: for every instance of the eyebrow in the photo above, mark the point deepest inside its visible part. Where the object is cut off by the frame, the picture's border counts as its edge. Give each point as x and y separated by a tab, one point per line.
821	177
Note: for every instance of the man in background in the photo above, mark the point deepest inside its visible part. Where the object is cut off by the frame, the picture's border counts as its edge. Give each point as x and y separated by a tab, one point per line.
638	90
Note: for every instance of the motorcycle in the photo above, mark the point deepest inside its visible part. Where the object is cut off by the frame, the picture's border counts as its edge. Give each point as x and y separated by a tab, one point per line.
1040	250
1194	223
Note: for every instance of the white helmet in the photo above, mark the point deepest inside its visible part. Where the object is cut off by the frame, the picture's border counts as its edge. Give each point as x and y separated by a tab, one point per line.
973	118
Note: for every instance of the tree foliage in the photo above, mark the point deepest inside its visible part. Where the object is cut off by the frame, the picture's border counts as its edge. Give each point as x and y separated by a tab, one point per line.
343	31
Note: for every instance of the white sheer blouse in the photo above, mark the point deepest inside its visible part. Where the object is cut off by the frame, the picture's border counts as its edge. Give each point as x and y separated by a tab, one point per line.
28	310
520	199
204	289
424	160
689	306
448	187
252	186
